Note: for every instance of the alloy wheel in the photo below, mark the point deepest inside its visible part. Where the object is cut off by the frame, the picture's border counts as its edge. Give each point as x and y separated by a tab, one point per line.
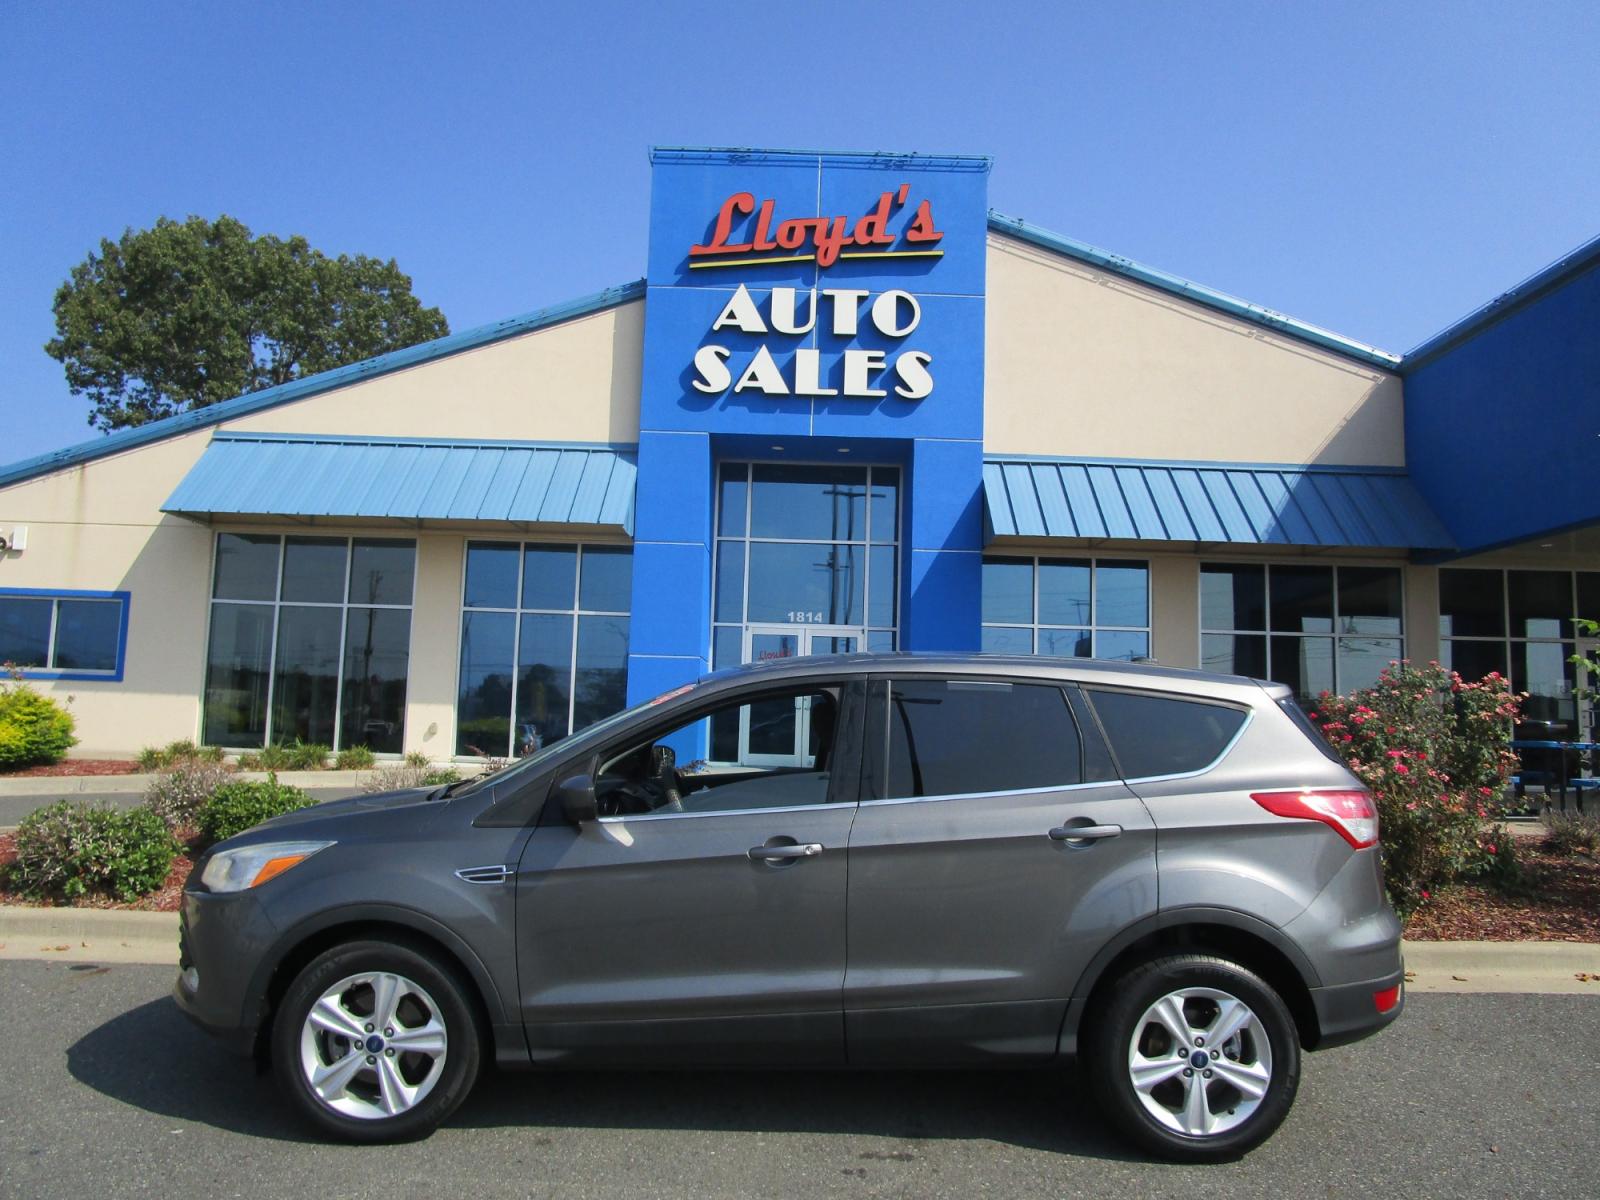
373	1045
1200	1061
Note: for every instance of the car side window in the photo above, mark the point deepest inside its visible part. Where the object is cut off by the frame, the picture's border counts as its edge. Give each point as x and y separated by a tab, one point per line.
774	750
951	737
1163	735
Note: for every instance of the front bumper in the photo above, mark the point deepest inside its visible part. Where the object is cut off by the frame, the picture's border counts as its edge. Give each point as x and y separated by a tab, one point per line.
221	942
1349	1012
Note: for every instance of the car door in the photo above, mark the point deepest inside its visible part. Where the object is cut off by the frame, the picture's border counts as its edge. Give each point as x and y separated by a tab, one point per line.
708	931
993	855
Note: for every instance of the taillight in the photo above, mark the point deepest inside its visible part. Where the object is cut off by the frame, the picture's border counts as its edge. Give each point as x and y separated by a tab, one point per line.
1385	1000
1352	814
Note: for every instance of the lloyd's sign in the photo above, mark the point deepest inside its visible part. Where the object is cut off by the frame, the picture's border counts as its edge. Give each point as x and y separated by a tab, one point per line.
794	320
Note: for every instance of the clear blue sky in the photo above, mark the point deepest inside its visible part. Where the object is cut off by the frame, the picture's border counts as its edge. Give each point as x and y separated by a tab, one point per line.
1377	168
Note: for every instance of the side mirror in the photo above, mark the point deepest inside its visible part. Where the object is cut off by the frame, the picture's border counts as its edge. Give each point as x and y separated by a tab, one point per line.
576	795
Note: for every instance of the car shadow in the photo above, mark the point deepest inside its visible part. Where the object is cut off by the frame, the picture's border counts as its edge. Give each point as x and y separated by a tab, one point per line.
153	1059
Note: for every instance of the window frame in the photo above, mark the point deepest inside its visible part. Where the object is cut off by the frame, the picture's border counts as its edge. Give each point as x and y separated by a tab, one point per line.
1089	689
277	604
56	595
517	613
1268	633
1094	627
866	543
1508	641
876	733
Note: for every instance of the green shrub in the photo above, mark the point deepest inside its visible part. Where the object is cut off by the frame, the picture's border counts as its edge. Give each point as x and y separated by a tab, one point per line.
1434	751
418	758
177	793
308	756
272	757
355	758
33	727
240	805
1575	834
159	758
69	849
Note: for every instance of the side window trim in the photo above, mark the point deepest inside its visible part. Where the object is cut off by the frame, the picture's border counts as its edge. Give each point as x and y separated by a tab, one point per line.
875	755
1227	749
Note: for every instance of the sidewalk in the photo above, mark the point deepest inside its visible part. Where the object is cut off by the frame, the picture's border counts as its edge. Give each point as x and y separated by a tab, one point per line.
98	935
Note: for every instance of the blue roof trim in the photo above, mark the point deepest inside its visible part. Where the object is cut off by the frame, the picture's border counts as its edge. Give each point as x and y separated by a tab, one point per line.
313	385
1240	503
410	479
969	162
1540	283
1199	293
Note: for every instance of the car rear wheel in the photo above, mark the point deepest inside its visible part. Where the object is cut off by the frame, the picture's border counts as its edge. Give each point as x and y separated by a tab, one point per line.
375	1042
1194	1057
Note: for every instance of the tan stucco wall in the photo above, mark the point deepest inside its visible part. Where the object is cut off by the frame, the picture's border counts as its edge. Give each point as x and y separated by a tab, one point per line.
99	527
574	382
1084	362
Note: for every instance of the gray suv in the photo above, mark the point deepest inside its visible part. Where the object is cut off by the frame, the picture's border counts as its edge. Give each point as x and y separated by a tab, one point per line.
889	860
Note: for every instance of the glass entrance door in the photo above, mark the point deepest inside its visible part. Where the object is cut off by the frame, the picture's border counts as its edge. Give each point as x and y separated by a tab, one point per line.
778	733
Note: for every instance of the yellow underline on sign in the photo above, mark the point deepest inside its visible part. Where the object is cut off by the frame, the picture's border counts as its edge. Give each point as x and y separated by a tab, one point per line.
750	262
894	254
761	262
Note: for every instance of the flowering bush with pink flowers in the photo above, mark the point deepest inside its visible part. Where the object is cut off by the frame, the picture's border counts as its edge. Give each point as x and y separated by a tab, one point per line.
1435	752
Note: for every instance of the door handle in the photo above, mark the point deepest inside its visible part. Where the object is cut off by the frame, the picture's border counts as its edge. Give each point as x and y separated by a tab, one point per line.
1084	833
780	853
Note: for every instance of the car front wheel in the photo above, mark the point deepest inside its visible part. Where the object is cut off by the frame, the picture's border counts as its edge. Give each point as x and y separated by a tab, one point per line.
1194	1057
375	1042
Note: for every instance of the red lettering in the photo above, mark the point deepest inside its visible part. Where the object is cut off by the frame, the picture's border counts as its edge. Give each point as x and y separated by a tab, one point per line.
763	222
921	228
739	203
826	235
830	237
873	229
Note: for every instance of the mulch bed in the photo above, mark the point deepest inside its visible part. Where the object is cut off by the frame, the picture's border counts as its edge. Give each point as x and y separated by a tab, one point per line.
77	766
1561	904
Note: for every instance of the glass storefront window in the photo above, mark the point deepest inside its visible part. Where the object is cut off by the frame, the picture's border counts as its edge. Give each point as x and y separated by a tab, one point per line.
310	640
1313	628
1068	607
801	544
544	643
1520	624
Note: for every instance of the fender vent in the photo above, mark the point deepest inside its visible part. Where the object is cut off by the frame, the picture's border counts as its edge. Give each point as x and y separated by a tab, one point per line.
498	873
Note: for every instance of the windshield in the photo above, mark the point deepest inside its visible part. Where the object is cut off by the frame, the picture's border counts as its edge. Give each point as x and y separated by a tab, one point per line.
531	764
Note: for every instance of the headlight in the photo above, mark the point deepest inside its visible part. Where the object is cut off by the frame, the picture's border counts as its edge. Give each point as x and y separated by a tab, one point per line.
251	866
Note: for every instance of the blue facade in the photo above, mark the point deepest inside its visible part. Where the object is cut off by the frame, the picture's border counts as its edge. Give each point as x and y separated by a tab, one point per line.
875	267
1503	411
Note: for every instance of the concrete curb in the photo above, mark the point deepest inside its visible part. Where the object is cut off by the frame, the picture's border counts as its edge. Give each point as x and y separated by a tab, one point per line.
115	935
88	935
1551	967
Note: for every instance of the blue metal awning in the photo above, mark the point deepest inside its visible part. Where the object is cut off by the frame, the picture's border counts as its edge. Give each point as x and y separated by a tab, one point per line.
1240	503
402	479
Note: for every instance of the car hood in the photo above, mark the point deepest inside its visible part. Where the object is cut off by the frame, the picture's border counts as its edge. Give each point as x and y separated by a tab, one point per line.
406	805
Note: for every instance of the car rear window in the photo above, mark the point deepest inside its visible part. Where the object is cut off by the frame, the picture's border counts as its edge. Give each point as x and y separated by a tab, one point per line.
1164	735
955	737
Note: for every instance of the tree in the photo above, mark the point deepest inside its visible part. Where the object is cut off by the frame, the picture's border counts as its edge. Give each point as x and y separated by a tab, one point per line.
193	312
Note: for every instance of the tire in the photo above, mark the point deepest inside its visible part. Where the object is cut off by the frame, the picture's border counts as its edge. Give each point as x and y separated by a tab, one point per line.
328	1026
1133	1033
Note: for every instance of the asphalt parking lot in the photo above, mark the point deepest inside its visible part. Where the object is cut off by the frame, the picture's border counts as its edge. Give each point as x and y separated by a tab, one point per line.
108	1091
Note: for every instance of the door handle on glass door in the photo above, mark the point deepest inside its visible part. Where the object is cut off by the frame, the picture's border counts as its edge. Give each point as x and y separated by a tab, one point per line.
771	853
1084	833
